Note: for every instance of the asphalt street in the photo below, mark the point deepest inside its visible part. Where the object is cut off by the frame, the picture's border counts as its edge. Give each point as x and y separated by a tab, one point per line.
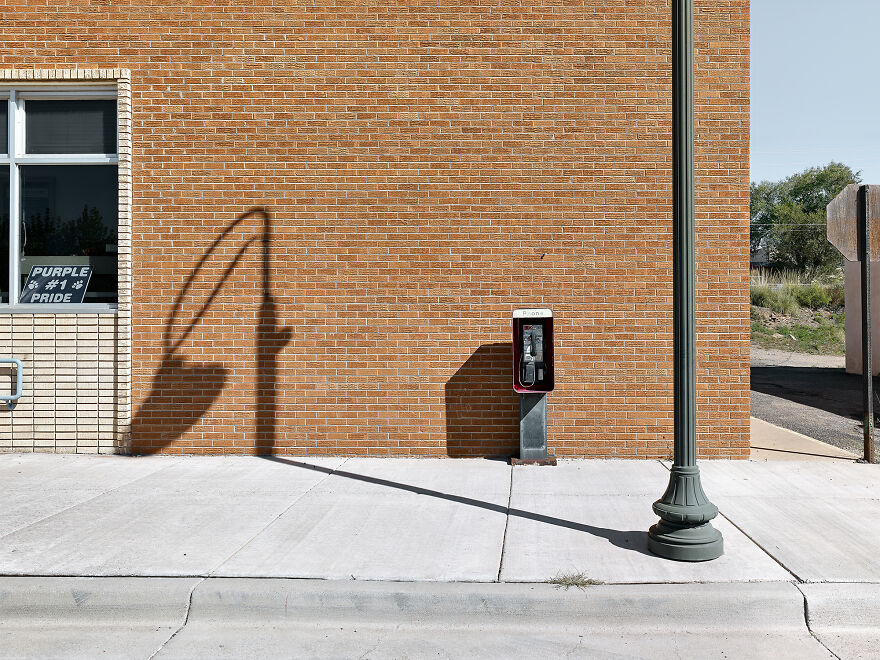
809	394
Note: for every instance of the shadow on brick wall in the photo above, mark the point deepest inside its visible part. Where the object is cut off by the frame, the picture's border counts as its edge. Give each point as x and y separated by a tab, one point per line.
482	410
183	391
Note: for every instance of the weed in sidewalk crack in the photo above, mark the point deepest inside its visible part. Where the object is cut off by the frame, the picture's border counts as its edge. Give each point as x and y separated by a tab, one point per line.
579	580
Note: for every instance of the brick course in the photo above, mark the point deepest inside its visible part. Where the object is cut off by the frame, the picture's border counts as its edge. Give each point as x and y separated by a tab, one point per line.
406	174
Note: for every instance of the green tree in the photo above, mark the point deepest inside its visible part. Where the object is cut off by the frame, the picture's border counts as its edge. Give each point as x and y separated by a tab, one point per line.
788	217
798	240
85	235
88	234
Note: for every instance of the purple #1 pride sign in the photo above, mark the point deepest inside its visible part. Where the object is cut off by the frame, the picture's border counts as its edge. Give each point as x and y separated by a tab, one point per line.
56	284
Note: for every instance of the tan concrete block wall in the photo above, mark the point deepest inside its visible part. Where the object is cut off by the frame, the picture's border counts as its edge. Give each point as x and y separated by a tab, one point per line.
69	397
399	150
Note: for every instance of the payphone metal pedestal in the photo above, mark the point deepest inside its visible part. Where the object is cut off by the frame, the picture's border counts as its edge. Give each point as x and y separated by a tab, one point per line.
533	431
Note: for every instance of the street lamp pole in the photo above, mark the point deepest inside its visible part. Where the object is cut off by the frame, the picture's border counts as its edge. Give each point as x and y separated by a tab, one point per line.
684	531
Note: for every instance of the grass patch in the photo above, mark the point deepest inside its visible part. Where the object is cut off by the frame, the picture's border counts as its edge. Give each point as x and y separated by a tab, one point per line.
836	292
801	312
780	299
824	337
786	292
578	580
812	296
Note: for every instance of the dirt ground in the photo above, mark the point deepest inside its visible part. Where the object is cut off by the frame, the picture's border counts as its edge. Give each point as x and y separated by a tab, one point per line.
771	357
808	317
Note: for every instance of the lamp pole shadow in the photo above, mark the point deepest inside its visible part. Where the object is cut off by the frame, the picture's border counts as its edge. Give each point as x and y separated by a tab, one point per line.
633	540
183	391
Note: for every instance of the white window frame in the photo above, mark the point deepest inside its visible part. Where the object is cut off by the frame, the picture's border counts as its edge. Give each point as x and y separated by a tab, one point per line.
15	96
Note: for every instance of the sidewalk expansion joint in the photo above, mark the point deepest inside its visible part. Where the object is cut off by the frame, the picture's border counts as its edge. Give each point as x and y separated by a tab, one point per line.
506	523
189	603
807	622
797	577
327	475
87	500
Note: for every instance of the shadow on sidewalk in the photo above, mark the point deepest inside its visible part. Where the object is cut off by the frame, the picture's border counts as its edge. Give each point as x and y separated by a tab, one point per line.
831	390
636	540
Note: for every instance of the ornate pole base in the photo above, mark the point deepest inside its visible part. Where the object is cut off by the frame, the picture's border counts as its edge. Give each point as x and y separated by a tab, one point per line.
684	532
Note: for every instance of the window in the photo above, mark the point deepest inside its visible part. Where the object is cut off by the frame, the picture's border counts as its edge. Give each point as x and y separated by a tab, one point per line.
59	192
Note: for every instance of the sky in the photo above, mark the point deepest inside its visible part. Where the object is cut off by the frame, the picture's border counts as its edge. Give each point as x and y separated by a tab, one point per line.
815	86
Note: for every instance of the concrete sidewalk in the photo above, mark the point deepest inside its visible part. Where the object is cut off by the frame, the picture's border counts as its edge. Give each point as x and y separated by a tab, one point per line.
774	443
196	554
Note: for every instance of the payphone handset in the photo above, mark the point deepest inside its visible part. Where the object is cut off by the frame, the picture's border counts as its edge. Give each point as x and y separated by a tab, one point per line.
532	358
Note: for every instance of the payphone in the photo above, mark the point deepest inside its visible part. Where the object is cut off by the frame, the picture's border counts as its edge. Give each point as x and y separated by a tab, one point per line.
533	378
533	350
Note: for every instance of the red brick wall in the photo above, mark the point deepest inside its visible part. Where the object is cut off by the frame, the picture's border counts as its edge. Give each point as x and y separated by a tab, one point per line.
425	168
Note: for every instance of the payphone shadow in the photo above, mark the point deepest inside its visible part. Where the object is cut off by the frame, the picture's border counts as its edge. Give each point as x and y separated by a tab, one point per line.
482	410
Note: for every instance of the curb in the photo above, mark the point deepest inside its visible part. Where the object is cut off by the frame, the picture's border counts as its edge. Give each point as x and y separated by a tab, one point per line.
842	605
77	617
247	617
845	617
155	602
163	602
718	606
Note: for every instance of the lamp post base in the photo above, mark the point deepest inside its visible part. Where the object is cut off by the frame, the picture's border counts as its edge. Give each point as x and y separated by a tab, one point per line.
685	543
684	531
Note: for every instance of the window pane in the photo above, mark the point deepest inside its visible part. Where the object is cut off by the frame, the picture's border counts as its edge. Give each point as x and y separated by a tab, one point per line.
70	127
4	233
69	217
4	126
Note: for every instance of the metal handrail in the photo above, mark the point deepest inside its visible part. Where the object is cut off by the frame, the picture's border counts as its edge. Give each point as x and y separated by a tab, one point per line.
10	400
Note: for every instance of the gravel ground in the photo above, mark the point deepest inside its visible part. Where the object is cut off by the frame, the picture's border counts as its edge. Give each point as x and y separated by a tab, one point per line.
770	357
810	394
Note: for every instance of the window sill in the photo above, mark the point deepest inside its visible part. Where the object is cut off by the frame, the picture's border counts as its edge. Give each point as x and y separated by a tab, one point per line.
84	308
